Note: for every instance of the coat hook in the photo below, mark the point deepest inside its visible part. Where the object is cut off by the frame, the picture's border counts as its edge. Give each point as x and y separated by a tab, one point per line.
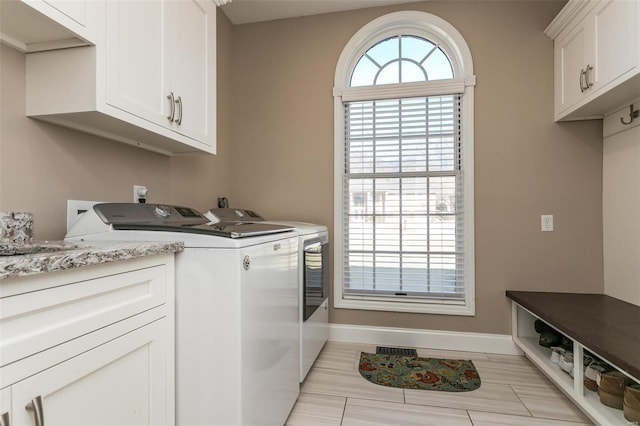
632	115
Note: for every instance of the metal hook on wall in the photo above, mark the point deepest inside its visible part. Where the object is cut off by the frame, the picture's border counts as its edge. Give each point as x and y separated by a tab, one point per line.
632	115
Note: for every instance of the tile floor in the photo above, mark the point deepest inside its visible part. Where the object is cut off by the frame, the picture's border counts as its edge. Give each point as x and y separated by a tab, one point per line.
513	392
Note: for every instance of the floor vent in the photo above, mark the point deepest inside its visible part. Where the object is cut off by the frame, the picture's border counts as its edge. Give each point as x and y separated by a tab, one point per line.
384	350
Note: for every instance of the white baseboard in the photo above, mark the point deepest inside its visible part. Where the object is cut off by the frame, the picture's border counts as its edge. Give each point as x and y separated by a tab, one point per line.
432	339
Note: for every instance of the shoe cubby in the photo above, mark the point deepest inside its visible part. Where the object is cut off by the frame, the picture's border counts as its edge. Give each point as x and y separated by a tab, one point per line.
527	339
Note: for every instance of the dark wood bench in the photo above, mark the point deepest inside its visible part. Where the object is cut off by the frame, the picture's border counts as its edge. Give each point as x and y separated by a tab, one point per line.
603	325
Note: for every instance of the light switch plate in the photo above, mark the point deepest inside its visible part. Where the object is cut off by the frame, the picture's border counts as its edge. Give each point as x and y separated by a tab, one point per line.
546	223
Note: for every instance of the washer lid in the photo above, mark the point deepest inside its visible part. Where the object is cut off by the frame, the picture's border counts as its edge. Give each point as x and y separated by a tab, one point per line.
166	218
223	229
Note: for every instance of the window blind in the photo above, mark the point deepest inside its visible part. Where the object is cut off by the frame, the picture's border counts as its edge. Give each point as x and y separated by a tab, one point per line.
402	188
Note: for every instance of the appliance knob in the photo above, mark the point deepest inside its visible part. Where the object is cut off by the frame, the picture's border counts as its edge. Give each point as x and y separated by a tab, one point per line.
162	211
246	263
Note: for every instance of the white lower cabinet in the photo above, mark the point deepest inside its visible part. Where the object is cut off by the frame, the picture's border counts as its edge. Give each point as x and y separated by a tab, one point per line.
113	384
121	373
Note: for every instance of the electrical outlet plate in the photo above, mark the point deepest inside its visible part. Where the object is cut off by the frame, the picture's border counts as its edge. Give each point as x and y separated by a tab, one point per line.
75	208
135	192
546	223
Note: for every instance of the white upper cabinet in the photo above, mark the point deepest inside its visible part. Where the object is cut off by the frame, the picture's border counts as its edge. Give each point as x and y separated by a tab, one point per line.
137	77
572	57
150	81
36	25
192	70
597	57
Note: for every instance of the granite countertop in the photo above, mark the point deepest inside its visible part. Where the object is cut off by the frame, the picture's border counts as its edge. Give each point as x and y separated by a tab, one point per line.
49	256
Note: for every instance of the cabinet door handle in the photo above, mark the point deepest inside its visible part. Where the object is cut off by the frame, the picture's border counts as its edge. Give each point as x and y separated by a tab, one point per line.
582	89
173	107
587	84
38	411
179	103
5	420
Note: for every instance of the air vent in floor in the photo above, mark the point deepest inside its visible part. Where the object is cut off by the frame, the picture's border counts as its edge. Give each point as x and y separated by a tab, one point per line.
384	350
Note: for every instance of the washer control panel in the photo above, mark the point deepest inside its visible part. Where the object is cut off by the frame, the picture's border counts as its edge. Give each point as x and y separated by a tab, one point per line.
148	214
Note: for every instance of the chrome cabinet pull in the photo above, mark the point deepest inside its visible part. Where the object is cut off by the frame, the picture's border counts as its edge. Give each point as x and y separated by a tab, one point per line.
587	84
582	89
38	411
179	103
173	107
5	420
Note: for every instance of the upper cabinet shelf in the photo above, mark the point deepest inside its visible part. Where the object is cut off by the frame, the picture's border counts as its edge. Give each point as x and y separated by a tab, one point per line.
37	25
596	57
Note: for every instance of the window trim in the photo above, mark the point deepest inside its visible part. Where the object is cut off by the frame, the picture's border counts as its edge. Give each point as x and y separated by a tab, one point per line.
451	41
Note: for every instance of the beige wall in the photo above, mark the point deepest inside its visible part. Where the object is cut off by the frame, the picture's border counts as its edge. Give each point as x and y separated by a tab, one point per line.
275	151
42	165
526	165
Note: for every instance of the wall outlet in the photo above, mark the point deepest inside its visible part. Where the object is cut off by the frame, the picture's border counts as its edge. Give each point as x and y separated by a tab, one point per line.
546	223
75	208
139	192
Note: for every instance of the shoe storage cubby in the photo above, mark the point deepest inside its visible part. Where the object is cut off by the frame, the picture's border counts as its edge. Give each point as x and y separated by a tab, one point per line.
527	338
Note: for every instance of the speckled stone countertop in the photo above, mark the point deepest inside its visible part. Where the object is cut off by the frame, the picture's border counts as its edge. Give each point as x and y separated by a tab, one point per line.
49	256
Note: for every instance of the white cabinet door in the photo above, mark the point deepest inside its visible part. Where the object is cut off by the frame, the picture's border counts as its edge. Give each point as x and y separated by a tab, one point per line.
122	382
192	26
616	40
573	54
137	72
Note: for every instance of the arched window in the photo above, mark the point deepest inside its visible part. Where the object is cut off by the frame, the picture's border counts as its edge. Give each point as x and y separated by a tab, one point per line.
401	59
404	168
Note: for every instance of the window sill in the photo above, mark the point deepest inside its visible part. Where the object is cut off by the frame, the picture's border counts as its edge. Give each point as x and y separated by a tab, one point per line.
432	307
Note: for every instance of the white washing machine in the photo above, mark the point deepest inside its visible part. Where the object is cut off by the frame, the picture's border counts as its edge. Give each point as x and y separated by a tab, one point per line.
237	338
313	280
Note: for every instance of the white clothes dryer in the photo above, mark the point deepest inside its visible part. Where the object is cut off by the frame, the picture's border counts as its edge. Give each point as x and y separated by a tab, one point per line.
313	283
313	279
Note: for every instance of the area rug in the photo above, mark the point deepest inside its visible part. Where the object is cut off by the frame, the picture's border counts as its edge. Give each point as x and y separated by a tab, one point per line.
448	375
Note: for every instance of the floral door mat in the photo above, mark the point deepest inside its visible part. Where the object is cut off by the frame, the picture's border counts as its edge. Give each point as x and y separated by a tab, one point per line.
448	375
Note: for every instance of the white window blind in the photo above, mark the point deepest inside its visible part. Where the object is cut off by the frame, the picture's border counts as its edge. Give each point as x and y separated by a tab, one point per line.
402	207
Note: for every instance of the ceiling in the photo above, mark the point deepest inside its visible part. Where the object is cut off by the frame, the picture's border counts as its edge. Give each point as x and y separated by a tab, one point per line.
246	11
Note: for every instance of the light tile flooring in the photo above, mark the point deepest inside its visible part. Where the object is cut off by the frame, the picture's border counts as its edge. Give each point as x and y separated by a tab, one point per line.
513	392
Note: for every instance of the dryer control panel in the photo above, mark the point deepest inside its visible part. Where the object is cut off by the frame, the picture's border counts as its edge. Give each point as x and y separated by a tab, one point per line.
233	215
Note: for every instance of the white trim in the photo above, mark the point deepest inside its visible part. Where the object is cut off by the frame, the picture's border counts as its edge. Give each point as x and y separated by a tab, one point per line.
418	338
441	307
569	12
440	31
402	90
